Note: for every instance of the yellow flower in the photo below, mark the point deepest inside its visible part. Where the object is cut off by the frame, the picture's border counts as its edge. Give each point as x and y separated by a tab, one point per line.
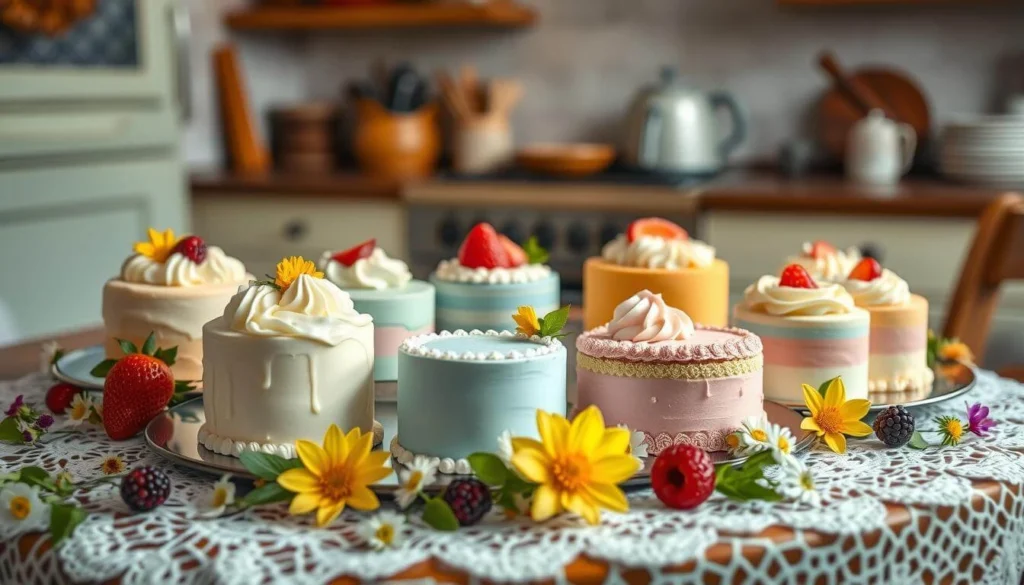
526	321
956	351
951	429
112	465
290	269
159	246
835	416
578	467
335	475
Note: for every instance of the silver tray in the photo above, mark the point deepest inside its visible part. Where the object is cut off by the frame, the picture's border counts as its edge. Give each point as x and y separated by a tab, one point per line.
181	446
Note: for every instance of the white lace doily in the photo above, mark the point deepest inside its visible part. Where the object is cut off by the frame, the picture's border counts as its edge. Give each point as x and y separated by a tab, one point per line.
952	531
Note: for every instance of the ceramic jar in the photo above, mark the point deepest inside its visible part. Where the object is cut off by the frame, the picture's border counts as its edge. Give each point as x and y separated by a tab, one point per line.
879	151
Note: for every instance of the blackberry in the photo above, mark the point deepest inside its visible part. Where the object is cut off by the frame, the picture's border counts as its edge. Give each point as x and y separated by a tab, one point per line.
894	426
470	499
145	488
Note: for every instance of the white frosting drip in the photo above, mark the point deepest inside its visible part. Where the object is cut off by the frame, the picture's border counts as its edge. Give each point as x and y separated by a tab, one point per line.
313	308
646	317
654	252
445	465
887	289
416	346
831	267
378	271
217	268
452	271
767	296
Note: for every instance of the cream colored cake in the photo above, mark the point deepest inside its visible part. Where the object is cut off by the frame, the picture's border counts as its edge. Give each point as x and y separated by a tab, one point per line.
170	287
286	360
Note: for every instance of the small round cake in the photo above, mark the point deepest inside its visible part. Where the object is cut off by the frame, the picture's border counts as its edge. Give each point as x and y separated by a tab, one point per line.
383	288
657	255
811	333
898	359
652	370
170	287
824	262
458	392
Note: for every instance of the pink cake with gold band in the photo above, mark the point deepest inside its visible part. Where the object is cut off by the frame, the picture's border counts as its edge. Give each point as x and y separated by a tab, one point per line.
654	371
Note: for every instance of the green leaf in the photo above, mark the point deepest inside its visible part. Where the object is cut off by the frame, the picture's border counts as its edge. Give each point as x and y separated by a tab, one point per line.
535	253
516	484
553	322
267	494
56	356
438	515
489	468
149	346
167	356
917	441
64	518
127	347
9	430
266	466
39	477
740	482
101	369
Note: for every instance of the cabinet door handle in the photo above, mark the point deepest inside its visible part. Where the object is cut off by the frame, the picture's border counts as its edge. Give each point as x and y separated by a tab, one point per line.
295	230
181	28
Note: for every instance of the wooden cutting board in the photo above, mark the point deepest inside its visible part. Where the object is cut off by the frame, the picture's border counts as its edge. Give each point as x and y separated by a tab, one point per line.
836	115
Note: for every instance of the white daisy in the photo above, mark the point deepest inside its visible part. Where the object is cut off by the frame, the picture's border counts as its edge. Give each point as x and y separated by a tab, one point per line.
751	437
505	447
78	412
21	510
385	530
782	441
413	479
46	354
222	496
796	482
637	448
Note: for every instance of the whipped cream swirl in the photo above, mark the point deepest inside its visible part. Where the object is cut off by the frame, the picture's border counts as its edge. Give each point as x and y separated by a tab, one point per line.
645	317
452	271
832	267
378	271
178	270
887	289
311	307
654	252
767	296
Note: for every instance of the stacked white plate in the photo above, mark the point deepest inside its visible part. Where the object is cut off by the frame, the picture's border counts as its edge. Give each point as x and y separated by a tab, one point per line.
984	149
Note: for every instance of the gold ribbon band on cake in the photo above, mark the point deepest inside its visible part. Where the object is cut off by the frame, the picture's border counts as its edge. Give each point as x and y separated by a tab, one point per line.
678	371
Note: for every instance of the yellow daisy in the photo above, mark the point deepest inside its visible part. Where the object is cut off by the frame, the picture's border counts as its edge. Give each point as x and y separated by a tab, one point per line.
526	321
577	466
835	416
159	246
335	475
290	269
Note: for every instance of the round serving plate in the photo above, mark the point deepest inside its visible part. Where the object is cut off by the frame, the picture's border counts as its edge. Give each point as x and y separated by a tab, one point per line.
174	435
74	367
952	379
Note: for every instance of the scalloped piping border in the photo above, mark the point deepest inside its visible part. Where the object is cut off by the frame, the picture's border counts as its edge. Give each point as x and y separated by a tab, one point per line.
445	465
746	345
232	448
415	346
706	440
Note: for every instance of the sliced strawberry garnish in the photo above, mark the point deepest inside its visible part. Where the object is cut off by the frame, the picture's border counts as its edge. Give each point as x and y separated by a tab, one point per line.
796	276
191	247
821	249
867	270
655	227
355	253
482	248
516	254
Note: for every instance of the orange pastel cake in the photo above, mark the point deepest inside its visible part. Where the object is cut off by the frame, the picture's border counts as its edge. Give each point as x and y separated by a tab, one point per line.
657	255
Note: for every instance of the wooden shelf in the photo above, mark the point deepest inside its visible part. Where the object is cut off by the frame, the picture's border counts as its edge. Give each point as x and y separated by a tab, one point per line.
496	14
341	185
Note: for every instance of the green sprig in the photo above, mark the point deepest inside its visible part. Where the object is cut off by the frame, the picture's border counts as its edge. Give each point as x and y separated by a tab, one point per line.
551	325
746	481
535	253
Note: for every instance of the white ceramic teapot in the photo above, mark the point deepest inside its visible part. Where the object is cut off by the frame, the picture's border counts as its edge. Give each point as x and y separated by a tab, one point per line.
878	150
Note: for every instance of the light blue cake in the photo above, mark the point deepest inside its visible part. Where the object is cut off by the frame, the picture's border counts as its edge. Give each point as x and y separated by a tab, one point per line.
457	392
397	313
484	305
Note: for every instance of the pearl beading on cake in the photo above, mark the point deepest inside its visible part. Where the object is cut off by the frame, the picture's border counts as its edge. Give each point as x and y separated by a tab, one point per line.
595	343
415	346
907	382
233	448
445	465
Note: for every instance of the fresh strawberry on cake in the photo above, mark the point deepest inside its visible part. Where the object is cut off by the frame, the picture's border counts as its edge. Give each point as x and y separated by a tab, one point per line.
824	261
490	279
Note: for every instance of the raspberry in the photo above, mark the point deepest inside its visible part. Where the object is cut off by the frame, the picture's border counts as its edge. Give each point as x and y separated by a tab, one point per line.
60	396
683	477
145	488
470	499
894	426
193	248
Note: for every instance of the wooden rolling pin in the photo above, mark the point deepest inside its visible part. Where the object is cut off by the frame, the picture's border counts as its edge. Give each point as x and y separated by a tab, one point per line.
857	93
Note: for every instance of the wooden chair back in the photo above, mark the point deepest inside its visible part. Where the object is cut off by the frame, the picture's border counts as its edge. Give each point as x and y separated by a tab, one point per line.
996	255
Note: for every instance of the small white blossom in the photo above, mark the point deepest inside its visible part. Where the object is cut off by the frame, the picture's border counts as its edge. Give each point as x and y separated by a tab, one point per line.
21	510
637	448
796	483
505	450
385	530
417	475
78	412
222	496
781	443
752	436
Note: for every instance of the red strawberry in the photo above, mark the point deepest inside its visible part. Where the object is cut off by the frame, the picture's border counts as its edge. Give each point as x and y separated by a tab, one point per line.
59	397
138	387
867	270
821	249
482	248
355	253
516	254
796	276
192	247
655	227
683	477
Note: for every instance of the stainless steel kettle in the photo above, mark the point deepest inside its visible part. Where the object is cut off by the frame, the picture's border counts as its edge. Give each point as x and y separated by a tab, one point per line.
673	128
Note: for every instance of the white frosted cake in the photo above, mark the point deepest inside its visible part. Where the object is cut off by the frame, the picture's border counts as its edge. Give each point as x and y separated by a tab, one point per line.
286	360
824	262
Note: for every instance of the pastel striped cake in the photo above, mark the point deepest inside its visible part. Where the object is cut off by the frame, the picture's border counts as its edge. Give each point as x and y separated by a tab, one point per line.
898	359
383	288
652	370
811	333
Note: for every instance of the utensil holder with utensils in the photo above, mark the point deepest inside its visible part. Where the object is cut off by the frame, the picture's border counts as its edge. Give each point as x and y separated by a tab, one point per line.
481	135
396	145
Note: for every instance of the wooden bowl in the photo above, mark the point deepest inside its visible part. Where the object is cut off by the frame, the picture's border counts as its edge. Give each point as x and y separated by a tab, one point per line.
566	160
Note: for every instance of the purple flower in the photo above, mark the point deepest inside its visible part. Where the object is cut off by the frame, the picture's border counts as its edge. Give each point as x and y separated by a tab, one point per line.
978	421
44	421
27	436
16	405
